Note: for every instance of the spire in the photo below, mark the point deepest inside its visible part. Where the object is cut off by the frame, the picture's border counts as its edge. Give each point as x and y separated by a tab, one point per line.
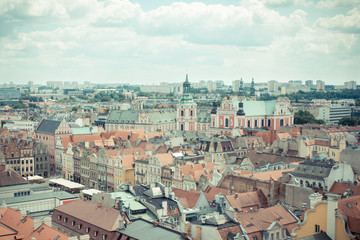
241	88
252	88
186	97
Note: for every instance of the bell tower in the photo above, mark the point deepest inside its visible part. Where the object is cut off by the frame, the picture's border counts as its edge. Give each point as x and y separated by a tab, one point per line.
186	110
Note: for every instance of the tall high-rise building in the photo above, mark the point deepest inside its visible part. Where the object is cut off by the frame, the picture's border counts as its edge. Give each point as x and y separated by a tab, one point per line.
235	85
273	86
350	85
309	84
320	85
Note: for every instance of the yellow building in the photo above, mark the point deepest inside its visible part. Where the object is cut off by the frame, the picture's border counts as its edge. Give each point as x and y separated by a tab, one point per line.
124	170
322	217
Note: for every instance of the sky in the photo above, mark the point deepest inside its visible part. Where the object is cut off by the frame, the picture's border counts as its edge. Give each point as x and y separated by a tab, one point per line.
153	41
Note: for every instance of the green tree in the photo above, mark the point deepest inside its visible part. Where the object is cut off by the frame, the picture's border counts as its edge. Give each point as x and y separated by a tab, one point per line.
303	117
350	121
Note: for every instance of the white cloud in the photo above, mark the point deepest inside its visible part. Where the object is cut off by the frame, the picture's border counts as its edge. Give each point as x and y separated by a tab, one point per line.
117	39
348	23
328	4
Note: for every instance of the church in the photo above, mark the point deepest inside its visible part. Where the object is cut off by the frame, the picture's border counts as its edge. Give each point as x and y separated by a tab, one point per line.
235	112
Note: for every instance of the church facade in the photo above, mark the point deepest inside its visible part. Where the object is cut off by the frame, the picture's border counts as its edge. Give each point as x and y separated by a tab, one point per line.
233	113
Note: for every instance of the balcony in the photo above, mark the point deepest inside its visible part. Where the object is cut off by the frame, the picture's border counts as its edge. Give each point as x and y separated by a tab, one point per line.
140	173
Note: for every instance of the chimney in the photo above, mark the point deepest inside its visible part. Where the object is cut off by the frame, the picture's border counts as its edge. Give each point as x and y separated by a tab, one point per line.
84	237
332	205
164	206
121	224
314	199
188	228
37	223
198	232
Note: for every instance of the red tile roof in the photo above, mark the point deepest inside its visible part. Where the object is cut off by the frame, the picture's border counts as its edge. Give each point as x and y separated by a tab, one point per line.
9	177
92	213
341	188
255	221
187	198
210	192
245	201
350	209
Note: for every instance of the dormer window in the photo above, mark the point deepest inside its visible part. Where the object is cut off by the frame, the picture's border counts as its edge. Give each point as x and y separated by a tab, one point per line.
72	223
95	233
87	229
59	217
79	226
65	219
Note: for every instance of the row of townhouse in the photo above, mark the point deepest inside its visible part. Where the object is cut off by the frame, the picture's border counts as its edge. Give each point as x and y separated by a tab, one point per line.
163	168
97	167
25	155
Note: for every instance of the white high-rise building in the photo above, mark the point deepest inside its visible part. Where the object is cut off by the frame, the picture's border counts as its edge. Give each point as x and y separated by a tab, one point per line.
273	86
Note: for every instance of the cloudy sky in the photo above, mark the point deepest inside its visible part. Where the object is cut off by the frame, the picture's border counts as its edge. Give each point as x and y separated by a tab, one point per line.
153	41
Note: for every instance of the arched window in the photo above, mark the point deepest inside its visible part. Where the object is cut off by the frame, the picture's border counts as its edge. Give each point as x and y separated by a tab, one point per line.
182	127
281	122
226	122
182	113
191	113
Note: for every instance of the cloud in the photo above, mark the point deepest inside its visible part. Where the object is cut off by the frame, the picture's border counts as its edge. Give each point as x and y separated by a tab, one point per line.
329	4
287	3
349	23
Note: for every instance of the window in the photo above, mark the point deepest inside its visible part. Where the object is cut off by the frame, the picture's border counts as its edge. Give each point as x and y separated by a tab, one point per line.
65	219
182	127
104	236
79	226
255	238
182	113
281	122
87	229
72	223
256	123
226	122
59	217
95	233
249	123
317	228
272	236
269	123
191	113
277	236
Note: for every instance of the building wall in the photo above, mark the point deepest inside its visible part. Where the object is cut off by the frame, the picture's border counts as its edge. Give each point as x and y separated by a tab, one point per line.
316	217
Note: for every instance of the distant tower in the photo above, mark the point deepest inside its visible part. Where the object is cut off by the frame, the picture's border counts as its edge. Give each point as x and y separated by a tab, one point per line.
241	89
252	88
186	110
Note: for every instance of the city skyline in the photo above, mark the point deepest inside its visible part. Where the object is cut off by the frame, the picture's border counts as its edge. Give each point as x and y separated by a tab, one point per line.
146	42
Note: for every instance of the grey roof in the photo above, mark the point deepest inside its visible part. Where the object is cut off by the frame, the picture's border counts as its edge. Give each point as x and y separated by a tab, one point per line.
142	229
319	236
204	116
48	126
131	116
156	201
61	195
313	169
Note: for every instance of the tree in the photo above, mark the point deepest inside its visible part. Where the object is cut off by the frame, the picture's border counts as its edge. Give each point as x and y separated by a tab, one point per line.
350	121
303	117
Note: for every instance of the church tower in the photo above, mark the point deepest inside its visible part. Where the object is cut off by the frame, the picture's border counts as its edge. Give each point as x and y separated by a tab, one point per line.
186	110
241	88
252	88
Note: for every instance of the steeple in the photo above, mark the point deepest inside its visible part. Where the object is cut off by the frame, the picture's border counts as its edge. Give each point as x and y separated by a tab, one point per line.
241	88
252	88
186	97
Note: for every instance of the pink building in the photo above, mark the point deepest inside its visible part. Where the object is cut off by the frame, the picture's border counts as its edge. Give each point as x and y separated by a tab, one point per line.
48	131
